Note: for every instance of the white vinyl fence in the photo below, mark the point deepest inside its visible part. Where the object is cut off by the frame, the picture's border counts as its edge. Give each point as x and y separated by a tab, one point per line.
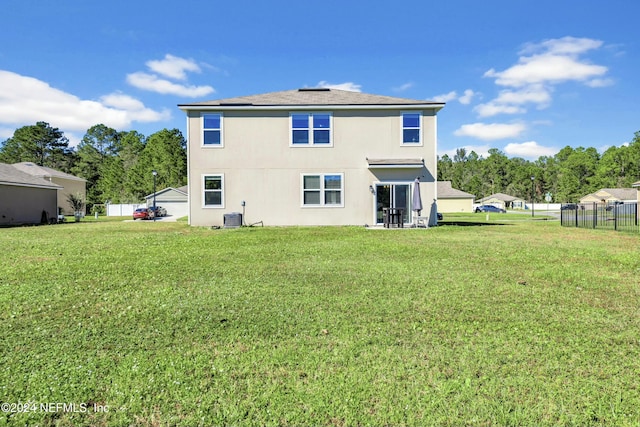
123	210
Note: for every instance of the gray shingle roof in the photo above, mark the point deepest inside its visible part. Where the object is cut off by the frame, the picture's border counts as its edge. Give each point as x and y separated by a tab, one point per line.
446	191
44	172
500	196
621	193
313	97
9	175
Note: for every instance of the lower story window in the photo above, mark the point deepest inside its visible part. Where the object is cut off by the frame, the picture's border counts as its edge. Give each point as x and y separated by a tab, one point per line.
213	186
322	190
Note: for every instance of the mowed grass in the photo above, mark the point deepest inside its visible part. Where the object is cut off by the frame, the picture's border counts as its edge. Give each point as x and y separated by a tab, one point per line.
164	324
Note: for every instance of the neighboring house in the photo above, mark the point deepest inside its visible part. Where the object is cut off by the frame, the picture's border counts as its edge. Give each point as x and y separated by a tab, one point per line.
174	200
452	200
503	201
70	184
610	195
26	199
310	157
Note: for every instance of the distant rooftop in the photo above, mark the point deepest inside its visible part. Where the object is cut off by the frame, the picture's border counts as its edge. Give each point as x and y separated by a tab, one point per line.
43	171
9	175
446	191
313	97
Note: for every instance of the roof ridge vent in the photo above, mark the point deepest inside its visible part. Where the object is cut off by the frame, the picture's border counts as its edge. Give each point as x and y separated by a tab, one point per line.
314	89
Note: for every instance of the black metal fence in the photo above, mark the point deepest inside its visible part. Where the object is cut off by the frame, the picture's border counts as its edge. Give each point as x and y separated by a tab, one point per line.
612	216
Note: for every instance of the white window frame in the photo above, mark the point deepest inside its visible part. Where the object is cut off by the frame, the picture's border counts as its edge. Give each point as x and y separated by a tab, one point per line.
203	129
420	132
322	190
204	176
311	142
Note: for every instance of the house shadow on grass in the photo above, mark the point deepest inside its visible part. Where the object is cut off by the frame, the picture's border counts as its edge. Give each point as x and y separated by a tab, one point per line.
468	223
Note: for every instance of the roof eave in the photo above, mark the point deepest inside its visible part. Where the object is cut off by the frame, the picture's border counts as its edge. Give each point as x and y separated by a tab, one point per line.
421	106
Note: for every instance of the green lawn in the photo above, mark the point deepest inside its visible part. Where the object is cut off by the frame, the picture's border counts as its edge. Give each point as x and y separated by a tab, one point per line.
163	324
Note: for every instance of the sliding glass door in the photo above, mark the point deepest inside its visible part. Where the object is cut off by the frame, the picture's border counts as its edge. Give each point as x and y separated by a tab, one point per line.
393	196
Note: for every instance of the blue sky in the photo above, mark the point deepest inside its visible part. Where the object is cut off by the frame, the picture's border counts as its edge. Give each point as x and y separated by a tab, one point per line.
526	77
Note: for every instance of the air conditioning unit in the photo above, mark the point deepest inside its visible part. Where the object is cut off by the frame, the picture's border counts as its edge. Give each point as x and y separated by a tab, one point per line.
233	220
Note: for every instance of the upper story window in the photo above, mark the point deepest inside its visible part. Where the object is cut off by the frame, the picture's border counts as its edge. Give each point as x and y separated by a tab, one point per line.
311	129
322	190
212	130
411	128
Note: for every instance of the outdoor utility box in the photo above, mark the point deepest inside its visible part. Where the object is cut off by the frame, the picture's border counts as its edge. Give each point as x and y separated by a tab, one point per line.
233	220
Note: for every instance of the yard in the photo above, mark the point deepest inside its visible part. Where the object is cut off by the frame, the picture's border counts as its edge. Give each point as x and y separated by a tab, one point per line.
159	324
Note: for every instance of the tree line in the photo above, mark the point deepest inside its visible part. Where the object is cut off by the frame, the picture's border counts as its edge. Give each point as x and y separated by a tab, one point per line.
569	175
117	165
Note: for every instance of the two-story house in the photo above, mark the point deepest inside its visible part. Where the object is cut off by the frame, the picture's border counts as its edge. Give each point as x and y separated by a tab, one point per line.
310	157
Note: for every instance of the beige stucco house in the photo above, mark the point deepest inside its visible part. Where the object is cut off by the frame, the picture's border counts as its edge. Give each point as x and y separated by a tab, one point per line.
610	195
310	157
26	199
70	184
453	200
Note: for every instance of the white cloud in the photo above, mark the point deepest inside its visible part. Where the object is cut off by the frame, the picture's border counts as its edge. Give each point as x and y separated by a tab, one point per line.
511	101
491	109
27	100
546	69
467	97
535	94
464	99
173	66
529	149
551	62
564	46
491	131
403	87
446	97
350	86
134	107
153	83
540	68
600	82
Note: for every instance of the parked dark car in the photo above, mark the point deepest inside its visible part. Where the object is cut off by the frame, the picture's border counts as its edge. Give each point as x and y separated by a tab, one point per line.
569	207
143	213
159	211
489	208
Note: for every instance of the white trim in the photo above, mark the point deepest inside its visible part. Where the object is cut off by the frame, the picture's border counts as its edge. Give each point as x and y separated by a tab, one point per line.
310	129
375	198
420	129
20	184
202	191
188	172
322	190
202	129
397	166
